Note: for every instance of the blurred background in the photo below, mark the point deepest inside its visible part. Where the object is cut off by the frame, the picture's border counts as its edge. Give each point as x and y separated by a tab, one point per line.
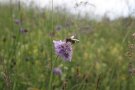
103	59
93	8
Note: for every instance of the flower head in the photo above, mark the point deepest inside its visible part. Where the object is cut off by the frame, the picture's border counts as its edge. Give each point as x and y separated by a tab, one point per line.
58	27
57	71
18	21
63	49
22	30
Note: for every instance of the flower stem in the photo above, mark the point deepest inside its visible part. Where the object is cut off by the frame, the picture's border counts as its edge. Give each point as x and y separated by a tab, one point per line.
50	81
51	74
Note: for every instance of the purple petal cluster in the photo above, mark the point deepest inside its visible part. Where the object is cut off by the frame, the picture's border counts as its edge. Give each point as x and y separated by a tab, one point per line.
63	49
22	30
17	21
57	71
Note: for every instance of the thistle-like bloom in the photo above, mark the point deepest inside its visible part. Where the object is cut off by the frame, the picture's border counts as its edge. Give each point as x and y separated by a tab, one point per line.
58	27
17	21
57	71
63	49
22	30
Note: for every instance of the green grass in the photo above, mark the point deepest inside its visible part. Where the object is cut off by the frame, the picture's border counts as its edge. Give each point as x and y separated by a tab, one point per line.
99	60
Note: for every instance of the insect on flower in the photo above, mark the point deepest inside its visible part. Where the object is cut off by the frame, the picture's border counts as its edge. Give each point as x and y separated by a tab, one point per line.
64	48
72	40
22	30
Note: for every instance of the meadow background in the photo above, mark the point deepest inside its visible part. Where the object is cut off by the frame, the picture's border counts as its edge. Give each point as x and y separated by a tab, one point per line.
102	60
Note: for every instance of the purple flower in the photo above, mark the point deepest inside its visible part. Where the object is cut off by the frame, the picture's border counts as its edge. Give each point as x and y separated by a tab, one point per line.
58	27
63	49
57	71
17	21
22	30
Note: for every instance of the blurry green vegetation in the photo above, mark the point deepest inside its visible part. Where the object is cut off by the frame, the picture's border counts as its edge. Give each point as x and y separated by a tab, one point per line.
100	60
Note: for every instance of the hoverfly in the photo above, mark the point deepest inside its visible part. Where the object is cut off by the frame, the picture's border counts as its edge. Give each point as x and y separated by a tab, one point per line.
72	39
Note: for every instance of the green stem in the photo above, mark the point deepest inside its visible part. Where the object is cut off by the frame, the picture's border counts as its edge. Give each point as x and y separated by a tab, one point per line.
51	74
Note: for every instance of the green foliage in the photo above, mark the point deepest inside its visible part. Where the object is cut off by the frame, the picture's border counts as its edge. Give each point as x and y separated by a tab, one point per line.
99	62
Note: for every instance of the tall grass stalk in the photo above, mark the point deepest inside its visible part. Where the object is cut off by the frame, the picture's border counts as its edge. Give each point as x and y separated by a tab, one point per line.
51	39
